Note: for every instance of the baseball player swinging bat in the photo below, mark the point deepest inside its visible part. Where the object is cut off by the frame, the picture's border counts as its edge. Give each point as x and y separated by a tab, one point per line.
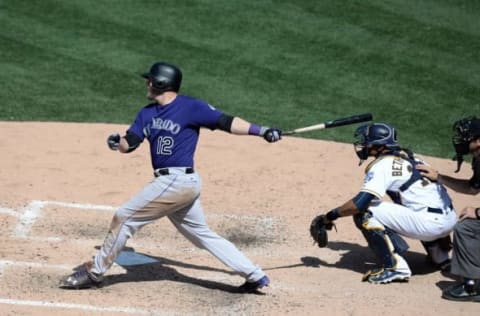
333	123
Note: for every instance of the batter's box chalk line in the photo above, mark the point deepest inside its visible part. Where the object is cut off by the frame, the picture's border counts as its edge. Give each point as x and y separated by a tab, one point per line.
28	215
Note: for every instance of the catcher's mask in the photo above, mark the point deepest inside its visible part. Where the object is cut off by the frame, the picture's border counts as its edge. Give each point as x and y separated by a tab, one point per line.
373	136
164	77
464	131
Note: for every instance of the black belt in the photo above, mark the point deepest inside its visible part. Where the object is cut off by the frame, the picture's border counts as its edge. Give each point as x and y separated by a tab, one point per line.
166	171
434	210
439	210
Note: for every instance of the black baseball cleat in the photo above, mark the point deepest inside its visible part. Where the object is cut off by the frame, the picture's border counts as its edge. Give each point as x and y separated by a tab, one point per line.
462	292
82	278
253	287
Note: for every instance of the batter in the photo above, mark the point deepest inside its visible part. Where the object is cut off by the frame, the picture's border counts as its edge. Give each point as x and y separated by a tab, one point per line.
171	124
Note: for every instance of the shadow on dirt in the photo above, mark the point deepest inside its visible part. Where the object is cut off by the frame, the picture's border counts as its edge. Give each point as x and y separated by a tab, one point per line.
144	268
361	259
312	262
442	285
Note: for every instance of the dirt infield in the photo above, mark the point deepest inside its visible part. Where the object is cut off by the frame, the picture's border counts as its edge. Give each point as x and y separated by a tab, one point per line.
60	186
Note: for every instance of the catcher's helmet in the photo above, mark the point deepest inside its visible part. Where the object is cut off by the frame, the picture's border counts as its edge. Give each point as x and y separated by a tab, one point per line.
164	77
374	135
464	131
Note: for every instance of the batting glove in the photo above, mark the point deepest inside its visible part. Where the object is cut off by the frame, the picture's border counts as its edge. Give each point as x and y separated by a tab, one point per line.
113	141
272	135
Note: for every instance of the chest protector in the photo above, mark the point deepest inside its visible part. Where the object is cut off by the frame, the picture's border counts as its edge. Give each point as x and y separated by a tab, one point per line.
407	155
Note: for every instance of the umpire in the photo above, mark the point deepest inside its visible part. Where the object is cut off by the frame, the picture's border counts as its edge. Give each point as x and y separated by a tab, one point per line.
466	234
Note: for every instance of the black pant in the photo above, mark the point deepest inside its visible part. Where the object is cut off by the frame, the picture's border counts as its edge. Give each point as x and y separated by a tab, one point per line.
466	249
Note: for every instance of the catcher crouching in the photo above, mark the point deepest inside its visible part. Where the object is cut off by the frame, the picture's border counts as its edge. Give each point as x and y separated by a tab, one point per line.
419	208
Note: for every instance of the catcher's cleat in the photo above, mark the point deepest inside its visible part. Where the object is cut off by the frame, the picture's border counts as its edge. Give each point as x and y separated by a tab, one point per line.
253	287
384	276
82	278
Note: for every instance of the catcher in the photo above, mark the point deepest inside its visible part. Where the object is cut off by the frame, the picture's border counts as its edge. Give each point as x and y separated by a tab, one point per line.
420	209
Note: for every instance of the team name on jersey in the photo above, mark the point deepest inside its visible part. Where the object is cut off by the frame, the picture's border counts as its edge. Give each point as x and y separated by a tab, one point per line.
167	125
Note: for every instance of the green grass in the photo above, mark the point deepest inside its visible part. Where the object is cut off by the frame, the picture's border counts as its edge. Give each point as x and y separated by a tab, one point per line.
413	64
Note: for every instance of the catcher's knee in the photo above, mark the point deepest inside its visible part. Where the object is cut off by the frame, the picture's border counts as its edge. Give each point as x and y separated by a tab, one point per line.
399	244
377	237
365	222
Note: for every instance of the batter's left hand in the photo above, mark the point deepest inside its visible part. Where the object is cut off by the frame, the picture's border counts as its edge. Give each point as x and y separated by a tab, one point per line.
272	135
113	141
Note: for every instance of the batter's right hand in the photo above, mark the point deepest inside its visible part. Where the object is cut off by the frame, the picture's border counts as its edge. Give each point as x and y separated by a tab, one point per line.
113	141
272	135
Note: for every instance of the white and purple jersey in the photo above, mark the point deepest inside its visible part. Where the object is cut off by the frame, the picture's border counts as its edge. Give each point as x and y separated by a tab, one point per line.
173	129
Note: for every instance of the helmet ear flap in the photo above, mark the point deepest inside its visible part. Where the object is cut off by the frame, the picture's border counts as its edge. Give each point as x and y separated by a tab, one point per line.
395	139
361	142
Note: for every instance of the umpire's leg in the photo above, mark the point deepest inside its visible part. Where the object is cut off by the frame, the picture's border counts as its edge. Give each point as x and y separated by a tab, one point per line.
466	249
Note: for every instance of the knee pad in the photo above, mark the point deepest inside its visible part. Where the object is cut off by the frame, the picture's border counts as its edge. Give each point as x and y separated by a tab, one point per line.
399	244
377	237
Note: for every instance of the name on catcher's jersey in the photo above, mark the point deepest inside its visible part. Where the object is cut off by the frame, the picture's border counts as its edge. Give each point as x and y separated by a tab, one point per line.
389	173
173	129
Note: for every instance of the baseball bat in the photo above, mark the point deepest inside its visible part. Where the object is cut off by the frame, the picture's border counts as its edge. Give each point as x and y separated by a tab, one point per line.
333	123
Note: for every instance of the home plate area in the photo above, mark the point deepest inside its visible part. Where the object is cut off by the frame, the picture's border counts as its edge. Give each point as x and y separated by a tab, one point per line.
45	240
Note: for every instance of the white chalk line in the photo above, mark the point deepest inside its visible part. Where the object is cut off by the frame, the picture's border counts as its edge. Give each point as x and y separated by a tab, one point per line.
9	301
84	307
9	211
28	218
82	206
29	214
27	264
33	210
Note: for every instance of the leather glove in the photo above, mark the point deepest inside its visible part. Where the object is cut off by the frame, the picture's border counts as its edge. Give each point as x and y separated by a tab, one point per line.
318	230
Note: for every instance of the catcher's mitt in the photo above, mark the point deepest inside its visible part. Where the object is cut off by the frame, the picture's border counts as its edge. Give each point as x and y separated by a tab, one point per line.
318	230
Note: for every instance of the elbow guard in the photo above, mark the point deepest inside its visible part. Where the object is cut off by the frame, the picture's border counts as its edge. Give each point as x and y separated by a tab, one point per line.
362	200
133	141
225	123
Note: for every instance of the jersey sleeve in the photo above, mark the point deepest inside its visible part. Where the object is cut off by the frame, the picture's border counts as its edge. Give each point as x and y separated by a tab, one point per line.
205	115
376	180
475	180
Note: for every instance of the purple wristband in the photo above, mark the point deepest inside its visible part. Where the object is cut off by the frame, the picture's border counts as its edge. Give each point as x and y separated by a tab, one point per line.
254	129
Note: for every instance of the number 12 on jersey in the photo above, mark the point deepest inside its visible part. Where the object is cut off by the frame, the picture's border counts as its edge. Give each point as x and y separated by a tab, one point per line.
164	145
